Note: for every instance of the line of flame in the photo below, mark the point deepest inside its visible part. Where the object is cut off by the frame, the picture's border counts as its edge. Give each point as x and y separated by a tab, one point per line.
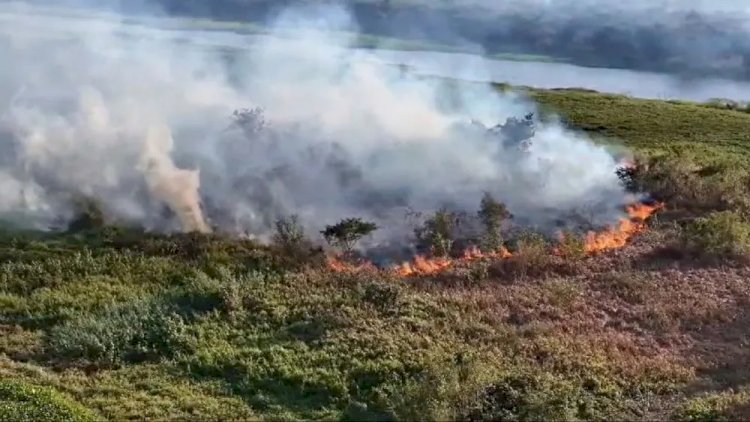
594	243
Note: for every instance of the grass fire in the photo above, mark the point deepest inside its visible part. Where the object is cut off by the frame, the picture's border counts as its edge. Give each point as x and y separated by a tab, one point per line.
593	242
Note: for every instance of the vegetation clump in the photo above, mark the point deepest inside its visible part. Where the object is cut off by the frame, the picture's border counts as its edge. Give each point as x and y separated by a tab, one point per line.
492	213
436	234
346	233
723	234
135	333
24	402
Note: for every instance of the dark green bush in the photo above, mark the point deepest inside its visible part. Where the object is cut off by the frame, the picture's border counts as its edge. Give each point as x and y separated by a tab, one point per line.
133	333
21	402
346	233
90	216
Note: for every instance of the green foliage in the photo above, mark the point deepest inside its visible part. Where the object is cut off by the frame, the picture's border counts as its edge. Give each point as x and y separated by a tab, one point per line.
719	407
346	233
384	297
90	216
492	214
134	333
531	256
289	233
292	244
720	234
572	246
21	402
436	234
526	395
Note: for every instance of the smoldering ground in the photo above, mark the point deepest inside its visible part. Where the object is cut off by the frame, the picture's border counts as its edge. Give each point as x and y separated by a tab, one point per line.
137	123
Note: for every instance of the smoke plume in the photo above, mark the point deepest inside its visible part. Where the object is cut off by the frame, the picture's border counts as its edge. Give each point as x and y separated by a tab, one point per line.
127	116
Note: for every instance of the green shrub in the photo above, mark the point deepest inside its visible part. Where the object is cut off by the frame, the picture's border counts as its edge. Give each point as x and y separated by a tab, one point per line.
133	333
492	214
437	233
729	405
21	402
682	183
470	389
720	234
444	389
572	246
289	233
294	248
382	296
531	256
674	179
528	396
90	216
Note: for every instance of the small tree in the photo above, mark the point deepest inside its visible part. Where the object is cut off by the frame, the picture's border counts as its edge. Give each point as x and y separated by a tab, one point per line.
90	215
289	234
492	214
437	232
346	233
296	249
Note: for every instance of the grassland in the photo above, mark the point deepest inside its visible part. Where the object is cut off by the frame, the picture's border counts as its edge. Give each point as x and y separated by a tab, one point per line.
111	324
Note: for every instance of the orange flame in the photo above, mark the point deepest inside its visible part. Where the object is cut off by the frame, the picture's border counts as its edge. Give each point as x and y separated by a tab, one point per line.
427	266
336	264
617	237
595	242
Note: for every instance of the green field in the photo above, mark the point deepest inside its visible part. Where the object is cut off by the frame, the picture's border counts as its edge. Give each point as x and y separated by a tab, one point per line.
112	324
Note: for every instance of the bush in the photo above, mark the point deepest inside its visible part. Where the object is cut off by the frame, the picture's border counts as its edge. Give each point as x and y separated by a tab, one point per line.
674	179
680	182
437	233
292	244
531	256
720	234
530	396
731	405
89	216
470	389
443	389
21	402
384	297
492	214
289	233
572	246
133	333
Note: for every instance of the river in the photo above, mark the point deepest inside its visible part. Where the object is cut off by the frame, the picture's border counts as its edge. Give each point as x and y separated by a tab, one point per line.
562	75
453	65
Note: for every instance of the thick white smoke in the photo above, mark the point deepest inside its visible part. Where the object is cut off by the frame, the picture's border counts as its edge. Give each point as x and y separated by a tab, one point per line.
139	122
